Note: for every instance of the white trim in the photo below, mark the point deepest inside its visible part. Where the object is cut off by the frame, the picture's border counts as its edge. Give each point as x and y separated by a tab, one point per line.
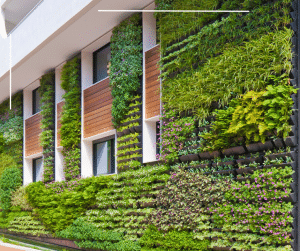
153	119
34	156
95	83
101	135
32	115
151	48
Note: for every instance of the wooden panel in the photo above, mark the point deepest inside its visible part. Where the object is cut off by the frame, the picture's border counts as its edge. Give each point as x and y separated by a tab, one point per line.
59	113
32	135
152	82
97	109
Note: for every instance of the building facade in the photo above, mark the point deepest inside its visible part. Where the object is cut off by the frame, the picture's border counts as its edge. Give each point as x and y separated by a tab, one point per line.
59	34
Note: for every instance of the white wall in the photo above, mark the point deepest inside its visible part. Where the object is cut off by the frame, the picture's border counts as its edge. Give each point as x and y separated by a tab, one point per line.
59	159
149	125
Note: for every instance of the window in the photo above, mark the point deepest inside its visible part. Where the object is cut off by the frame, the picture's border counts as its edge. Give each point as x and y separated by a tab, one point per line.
37	169
36	101
157	137
104	157
101	59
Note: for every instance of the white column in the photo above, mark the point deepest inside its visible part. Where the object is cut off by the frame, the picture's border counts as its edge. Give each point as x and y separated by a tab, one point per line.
149	126
86	146
59	159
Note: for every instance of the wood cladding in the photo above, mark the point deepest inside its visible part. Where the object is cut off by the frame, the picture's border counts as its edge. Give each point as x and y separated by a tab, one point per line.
152	85
32	135
59	113
97	102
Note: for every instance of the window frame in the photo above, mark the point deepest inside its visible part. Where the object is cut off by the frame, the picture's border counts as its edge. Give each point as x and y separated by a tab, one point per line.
34	168
113	157
95	63
34	103
157	132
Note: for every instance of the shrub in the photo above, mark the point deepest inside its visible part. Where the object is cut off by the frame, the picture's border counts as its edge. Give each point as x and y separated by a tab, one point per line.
58	207
10	180
171	241
126	65
89	236
6	161
19	199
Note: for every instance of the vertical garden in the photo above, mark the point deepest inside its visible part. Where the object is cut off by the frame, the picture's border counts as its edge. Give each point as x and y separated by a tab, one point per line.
227	174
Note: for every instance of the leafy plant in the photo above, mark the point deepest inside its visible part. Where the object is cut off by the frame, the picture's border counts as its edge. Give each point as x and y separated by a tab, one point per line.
70	131
10	180
126	65
47	92
173	240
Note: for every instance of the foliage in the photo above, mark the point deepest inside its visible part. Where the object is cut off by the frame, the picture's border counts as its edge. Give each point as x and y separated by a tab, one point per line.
6	161
187	23
128	199
27	225
174	132
12	130
10	180
70	131
258	206
253	116
19	199
270	54
59	204
129	139
47	92
173	240
218	36
182	205
89	236
126	65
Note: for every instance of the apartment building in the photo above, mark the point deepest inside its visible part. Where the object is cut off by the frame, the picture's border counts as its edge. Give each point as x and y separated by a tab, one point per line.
41	37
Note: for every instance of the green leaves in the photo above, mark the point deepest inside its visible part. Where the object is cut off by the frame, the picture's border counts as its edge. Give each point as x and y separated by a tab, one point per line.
126	65
70	131
10	180
226	76
47	123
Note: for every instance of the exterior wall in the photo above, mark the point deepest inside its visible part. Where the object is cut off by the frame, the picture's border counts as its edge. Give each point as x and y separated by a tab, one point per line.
48	17
96	119
27	158
149	125
97	105
32	135
152	83
86	83
59	160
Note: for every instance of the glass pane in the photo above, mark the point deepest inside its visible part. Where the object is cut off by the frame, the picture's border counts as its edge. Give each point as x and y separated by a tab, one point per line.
38	102
102	158
102	58
39	169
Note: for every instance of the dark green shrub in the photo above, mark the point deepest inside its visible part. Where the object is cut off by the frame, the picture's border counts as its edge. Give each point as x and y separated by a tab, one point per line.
89	236
58	205
171	241
47	91
10	180
126	65
71	118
